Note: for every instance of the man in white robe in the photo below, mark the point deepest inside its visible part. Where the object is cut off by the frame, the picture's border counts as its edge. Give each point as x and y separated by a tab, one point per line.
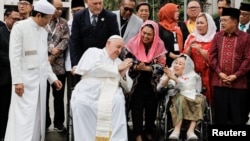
98	102
30	70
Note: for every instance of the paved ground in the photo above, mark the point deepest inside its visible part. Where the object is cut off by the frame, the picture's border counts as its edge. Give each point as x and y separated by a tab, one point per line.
53	135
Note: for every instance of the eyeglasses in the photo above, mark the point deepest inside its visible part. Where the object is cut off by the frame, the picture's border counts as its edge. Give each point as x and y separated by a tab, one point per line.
128	9
59	8
193	8
23	3
16	19
244	14
47	17
224	20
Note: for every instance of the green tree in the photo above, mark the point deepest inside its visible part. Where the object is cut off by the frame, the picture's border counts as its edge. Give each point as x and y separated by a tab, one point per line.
156	5
111	4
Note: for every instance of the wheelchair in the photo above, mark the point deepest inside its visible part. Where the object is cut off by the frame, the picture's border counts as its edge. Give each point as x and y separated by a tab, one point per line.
70	132
69	117
164	125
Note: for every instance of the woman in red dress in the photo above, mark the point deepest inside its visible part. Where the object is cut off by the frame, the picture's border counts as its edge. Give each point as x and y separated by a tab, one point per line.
197	47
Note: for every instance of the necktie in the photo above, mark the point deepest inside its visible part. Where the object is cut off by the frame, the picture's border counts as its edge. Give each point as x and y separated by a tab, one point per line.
94	20
242	26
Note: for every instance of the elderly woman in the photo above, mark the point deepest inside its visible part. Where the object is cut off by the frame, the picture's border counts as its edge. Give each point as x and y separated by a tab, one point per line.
143	11
172	31
148	51
197	46
187	103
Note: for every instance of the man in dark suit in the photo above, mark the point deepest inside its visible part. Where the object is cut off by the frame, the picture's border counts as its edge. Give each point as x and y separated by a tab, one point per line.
2	24
85	35
10	17
221	4
244	25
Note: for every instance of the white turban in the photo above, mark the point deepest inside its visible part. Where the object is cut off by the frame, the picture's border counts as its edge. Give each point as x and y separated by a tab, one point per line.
45	7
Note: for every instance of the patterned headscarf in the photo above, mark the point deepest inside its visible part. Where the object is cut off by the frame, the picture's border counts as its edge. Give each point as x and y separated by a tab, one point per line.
136	47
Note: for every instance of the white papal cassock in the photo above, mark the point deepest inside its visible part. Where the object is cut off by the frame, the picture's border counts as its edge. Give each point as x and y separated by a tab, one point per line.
98	102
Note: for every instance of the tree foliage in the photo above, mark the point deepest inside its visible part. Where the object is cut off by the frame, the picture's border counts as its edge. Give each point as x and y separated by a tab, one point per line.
111	4
156	5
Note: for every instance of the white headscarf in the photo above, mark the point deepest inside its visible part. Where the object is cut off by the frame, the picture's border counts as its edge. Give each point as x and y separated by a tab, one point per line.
189	65
211	30
186	84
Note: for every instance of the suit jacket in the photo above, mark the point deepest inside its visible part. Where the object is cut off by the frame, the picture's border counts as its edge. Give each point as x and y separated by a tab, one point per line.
2	24
5	73
248	74
84	35
248	30
217	23
133	27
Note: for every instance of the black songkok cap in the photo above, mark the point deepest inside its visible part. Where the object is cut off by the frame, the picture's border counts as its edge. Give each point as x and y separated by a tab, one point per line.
77	3
30	1
245	6
233	12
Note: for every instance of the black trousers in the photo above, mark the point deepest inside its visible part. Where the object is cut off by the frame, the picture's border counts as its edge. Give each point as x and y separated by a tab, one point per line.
248	95
143	107
69	81
59	115
230	105
5	97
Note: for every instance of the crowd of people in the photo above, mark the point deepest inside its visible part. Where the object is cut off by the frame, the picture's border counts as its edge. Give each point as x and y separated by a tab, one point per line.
109	61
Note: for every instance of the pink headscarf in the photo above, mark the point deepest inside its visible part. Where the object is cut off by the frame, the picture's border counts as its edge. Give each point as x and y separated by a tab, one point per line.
136	47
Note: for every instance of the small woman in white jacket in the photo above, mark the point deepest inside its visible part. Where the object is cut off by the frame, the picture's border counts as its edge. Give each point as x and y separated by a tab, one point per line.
187	102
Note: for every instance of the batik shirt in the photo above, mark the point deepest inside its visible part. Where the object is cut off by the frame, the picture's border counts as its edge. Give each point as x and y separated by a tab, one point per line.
58	36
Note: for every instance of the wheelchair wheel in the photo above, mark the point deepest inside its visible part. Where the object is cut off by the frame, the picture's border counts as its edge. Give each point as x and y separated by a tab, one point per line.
160	121
70	132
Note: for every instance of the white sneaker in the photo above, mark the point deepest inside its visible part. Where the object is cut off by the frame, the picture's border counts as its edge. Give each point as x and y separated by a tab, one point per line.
191	137
174	136
248	122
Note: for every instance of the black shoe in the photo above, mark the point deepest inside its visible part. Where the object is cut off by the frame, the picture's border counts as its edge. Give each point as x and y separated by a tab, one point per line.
47	127
59	128
48	123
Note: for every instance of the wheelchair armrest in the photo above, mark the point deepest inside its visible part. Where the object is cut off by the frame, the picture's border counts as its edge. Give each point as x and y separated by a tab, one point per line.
203	90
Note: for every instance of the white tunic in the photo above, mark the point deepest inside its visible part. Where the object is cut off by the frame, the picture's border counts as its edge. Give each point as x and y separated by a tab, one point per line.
30	66
95	67
188	85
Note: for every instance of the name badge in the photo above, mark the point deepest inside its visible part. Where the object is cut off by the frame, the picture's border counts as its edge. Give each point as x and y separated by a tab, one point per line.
30	52
176	47
51	45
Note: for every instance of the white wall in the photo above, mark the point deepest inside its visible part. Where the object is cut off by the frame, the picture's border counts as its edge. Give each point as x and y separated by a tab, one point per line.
213	8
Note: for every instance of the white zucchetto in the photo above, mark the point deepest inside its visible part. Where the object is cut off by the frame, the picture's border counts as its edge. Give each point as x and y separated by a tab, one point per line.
45	7
114	37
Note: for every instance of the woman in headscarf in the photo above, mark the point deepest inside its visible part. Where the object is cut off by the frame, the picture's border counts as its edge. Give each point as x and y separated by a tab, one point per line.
187	102
148	52
172	31
197	46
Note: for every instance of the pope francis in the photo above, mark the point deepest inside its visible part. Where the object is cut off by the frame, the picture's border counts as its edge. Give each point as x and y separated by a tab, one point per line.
98	103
